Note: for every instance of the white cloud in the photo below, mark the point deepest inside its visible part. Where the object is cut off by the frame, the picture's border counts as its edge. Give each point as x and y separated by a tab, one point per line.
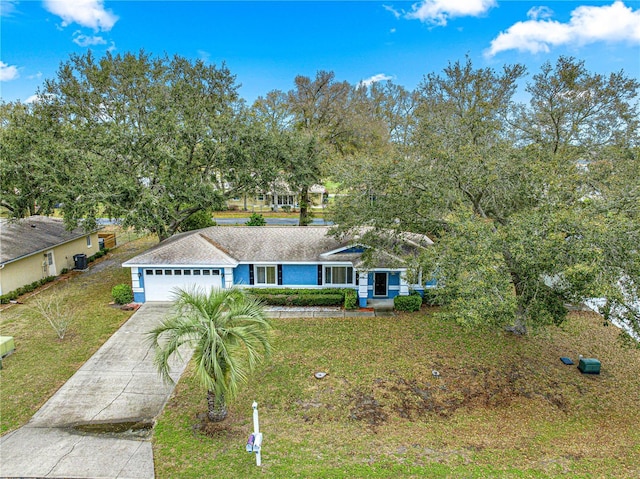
437	12
36	98
374	79
32	99
8	72
86	41
88	13
7	7
535	13
588	24
35	76
395	12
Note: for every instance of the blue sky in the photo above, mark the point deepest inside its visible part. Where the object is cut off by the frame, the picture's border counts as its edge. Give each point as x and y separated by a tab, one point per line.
266	44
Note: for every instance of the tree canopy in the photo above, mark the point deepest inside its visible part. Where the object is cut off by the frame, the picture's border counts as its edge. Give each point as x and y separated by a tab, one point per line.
531	205
147	140
28	147
516	196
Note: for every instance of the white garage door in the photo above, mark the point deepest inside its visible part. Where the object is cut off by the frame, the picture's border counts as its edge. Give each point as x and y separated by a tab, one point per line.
160	283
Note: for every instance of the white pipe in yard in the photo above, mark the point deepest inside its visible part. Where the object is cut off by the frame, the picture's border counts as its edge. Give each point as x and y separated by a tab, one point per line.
257	448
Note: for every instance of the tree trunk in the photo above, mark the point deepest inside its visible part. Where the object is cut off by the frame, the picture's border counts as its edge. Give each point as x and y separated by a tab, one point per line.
520	323
217	407
274	197
304	207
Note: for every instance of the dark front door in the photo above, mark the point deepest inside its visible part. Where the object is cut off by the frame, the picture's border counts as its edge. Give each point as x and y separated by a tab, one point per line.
380	284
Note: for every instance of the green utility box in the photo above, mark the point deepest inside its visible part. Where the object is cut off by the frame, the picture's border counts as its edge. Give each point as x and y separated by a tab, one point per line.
589	366
6	345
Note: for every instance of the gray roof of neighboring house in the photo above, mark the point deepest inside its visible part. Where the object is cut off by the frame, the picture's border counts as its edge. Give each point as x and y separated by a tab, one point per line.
230	245
22	238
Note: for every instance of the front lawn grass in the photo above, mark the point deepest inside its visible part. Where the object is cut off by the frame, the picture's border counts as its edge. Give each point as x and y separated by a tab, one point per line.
504	406
41	362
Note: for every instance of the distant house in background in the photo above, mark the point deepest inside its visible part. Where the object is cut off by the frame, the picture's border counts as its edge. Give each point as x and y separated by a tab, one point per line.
271	257
278	197
36	247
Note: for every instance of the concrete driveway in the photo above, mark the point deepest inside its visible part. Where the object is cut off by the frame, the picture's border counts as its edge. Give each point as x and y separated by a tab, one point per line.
98	423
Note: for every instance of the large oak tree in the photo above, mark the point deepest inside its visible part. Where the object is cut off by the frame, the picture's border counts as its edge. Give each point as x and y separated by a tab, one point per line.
524	216
147	138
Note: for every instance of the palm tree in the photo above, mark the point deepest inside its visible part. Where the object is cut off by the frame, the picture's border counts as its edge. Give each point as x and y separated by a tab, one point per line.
229	332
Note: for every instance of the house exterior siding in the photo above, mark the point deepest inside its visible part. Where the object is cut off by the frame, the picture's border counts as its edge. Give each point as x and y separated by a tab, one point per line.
299	275
296	276
241	274
21	272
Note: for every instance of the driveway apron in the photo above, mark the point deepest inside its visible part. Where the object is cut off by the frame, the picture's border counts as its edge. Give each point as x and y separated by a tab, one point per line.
77	433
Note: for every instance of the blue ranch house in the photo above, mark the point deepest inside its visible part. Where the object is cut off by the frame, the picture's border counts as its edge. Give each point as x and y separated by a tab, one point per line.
277	256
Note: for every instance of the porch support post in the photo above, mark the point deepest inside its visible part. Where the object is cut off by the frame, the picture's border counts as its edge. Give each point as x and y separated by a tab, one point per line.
137	285
228	278
363	288
404	284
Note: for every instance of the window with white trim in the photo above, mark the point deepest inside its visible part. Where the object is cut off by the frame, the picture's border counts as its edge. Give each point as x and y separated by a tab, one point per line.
338	275
89	241
284	200
266	275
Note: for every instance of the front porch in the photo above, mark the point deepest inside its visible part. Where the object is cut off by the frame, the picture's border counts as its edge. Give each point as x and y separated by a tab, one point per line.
377	288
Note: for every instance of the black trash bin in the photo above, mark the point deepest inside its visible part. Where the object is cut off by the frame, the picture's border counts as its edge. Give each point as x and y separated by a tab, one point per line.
80	261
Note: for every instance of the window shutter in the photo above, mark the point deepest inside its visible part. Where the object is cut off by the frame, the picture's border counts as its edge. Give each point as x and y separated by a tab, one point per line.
251	278
280	274
319	275
357	277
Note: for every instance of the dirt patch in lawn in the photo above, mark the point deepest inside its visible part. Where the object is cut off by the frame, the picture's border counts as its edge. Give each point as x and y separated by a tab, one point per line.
233	427
368	409
472	388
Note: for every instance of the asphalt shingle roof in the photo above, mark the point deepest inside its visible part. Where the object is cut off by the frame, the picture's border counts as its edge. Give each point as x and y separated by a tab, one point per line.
30	235
229	245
